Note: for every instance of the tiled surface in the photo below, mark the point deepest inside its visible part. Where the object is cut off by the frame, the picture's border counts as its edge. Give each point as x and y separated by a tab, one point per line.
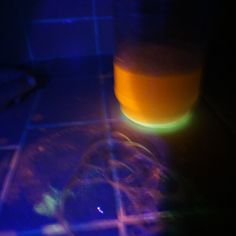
197	156
54	29
71	38
20	216
62	40
62	9
81	169
79	100
48	164
63	29
153	229
69	68
183	152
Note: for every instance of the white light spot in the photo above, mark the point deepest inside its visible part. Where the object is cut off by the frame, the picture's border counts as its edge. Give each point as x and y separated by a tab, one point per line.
100	210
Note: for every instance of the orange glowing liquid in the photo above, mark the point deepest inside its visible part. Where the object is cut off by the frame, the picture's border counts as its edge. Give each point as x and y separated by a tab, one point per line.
157	84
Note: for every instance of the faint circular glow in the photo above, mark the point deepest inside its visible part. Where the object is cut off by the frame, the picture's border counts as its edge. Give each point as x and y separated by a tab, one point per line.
162	127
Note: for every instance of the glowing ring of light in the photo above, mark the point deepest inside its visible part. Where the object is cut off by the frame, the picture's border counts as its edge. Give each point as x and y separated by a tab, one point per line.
169	126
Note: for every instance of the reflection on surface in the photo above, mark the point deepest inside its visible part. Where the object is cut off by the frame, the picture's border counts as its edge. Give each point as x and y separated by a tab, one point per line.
49	204
132	171
85	180
159	128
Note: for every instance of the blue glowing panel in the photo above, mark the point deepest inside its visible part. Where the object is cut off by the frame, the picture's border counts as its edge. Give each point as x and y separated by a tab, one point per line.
79	101
60	40
62	9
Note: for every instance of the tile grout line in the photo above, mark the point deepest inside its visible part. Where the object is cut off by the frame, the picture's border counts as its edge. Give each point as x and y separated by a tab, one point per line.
96	30
41	59
72	20
16	154
105	224
63	124
66	124
119	204
94	225
8	147
117	192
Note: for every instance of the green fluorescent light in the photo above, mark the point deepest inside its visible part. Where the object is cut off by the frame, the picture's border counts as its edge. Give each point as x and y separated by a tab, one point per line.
160	128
